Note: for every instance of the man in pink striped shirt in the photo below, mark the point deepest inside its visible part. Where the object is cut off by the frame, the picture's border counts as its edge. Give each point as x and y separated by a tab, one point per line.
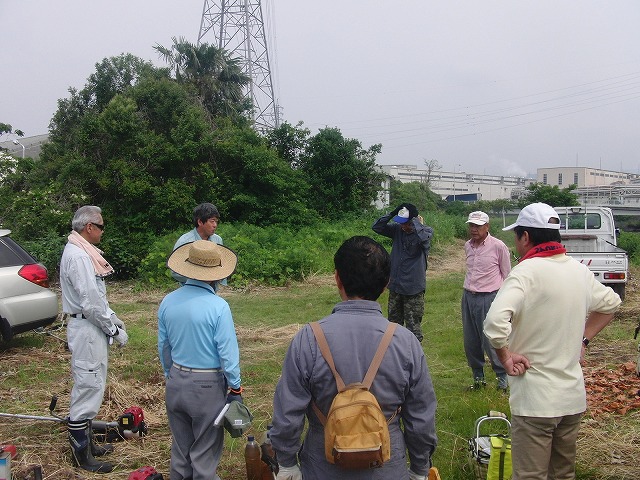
488	265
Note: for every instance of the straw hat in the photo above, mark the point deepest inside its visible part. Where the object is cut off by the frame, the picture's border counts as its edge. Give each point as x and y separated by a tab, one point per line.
203	260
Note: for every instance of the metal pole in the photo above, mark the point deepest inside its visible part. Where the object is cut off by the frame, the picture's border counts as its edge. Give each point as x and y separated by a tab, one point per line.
33	417
16	142
454	183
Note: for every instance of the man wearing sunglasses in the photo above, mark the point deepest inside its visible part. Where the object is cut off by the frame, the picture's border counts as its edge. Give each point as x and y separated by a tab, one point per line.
91	328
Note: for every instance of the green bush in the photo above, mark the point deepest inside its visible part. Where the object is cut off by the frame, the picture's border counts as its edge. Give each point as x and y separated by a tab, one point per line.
279	254
631	243
153	267
272	255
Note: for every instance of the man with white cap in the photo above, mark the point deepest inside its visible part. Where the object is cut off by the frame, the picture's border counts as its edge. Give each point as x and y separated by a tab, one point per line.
487	260
199	354
537	326
409	253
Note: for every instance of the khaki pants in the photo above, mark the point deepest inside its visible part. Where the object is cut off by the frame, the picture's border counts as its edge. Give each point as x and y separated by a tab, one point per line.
544	448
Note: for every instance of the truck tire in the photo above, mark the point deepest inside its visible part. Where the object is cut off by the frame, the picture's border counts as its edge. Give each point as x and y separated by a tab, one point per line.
619	288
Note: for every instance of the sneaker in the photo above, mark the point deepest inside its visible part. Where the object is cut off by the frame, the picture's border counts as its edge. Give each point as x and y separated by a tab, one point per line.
478	383
503	384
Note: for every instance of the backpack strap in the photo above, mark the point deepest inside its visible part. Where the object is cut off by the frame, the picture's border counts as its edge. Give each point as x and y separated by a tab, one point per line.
326	353
377	358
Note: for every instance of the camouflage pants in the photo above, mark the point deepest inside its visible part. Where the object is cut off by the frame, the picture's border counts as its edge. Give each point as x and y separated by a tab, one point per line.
407	310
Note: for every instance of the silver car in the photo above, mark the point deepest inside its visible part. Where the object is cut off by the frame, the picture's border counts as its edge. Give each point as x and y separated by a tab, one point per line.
26	301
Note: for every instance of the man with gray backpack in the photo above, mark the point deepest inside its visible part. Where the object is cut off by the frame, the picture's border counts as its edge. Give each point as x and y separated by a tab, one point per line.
349	356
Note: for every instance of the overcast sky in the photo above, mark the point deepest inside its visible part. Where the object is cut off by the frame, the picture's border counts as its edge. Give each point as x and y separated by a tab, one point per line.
500	87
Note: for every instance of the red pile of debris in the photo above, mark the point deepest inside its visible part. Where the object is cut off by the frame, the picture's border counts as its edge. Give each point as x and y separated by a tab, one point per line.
613	390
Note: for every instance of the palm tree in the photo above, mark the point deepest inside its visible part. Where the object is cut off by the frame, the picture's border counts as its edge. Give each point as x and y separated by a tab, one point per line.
217	78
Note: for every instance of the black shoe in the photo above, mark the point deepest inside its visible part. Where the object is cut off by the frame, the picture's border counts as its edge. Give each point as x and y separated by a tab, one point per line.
478	384
84	459
503	384
80	440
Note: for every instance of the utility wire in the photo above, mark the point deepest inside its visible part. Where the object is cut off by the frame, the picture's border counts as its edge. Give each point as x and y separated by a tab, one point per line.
599	93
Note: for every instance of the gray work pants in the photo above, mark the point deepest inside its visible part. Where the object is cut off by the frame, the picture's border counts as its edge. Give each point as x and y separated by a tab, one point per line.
88	345
193	402
474	310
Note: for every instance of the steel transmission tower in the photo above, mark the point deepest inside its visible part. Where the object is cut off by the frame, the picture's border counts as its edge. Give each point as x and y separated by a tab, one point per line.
238	27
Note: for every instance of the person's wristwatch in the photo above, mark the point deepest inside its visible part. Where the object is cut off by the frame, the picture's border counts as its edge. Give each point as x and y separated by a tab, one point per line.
585	341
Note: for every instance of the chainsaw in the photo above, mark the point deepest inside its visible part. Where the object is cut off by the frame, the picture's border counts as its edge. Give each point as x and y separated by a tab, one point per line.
130	424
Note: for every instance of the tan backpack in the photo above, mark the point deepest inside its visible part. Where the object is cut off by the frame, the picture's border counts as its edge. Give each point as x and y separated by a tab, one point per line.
356	432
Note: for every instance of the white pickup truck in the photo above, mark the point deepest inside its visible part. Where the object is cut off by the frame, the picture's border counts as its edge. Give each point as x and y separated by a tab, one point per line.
589	235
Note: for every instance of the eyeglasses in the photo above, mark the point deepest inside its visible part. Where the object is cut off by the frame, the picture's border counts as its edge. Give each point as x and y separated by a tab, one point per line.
101	227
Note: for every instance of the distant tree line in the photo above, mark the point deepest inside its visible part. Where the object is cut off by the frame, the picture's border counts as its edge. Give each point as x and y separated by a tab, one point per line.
147	144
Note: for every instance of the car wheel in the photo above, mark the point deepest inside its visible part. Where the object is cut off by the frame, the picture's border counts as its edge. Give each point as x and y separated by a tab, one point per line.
619	288
5	330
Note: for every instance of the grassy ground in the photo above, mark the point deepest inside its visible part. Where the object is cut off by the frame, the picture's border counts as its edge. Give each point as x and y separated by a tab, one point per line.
35	366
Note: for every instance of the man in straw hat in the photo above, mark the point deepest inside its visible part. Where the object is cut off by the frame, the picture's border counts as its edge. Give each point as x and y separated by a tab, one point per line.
546	312
199	354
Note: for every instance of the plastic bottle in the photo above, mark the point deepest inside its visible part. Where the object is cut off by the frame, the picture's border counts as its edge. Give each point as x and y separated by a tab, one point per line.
252	459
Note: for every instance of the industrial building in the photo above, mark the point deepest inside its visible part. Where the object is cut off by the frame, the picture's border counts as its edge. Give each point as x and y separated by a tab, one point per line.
584	177
459	185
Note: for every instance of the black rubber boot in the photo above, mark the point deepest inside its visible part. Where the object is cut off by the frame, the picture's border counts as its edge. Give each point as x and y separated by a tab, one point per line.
97	450
81	449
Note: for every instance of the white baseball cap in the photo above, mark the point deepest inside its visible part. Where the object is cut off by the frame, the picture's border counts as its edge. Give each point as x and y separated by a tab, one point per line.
402	216
536	215
478	218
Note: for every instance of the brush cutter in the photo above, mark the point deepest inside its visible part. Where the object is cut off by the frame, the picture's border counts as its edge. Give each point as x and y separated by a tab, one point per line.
129	425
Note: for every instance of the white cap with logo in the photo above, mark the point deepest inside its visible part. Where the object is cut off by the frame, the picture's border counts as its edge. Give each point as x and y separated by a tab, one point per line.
536	215
478	218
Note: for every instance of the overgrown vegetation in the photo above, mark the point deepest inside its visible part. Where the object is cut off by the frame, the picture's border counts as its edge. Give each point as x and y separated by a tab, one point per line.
266	319
280	254
147	144
630	241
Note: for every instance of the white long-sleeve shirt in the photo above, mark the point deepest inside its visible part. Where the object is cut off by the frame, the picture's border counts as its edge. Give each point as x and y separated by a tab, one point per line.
540	312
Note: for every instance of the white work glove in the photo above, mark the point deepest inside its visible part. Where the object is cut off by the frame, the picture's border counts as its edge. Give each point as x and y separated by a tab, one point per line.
289	473
122	338
415	476
117	322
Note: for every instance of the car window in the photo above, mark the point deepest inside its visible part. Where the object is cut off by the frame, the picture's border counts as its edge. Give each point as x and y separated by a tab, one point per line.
11	254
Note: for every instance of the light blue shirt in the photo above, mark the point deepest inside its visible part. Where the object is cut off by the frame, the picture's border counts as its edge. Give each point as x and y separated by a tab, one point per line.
192	236
196	330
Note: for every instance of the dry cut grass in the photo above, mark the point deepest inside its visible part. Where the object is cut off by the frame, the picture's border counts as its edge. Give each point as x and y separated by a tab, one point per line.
608	441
